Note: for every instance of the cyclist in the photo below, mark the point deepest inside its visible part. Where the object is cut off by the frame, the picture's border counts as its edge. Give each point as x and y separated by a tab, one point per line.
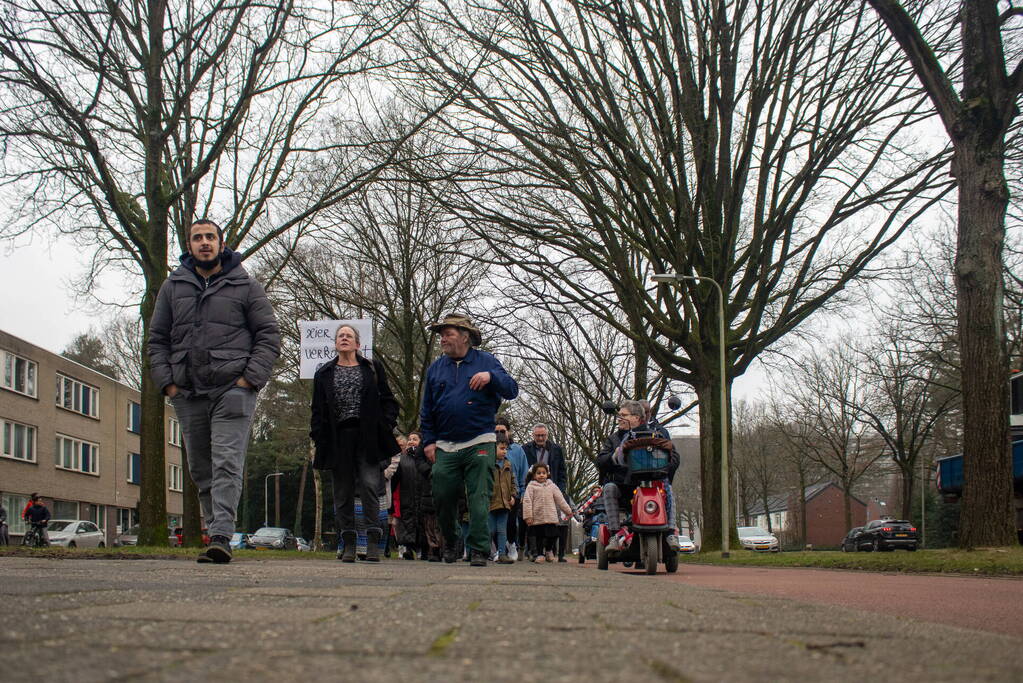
4	539
38	515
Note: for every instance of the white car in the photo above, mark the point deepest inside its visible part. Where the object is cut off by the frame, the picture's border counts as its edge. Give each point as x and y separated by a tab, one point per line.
755	538
75	533
686	545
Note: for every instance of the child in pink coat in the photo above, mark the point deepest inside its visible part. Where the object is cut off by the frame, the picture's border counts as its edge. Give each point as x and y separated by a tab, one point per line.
540	505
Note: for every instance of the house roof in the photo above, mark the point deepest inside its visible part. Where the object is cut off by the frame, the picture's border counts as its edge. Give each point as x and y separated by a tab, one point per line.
781	503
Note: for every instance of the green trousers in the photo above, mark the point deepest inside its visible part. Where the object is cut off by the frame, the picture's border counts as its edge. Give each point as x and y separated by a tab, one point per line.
472	470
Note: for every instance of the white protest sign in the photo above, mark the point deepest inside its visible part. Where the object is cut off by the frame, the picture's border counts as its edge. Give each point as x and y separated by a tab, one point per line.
317	346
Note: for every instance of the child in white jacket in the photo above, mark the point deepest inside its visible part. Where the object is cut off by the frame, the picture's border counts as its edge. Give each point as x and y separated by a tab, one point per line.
540	505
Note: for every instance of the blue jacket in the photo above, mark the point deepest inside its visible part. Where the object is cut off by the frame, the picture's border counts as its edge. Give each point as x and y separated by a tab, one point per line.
520	468
451	410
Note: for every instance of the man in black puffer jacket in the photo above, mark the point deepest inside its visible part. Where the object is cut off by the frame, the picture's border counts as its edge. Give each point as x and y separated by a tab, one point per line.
213	340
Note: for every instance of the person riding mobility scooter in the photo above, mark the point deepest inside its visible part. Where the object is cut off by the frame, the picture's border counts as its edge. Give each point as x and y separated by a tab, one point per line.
635	464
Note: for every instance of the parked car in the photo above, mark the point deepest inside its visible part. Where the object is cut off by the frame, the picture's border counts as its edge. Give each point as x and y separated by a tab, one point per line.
686	545
850	544
755	538
240	541
177	537
75	533
273	538
127	537
303	544
888	534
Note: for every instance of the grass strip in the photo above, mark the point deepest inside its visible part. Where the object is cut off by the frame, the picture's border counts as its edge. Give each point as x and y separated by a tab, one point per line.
981	562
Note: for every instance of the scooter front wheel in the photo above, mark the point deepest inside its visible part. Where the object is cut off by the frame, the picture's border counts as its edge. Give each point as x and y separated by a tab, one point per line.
651	552
601	556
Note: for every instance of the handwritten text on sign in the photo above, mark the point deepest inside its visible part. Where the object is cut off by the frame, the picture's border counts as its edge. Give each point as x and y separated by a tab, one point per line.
317	346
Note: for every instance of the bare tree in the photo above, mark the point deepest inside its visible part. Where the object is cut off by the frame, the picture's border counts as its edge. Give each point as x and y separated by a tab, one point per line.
823	393
125	121
757	460
902	403
760	144
977	99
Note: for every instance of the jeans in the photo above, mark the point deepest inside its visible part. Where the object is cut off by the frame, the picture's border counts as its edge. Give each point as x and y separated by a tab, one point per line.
499	527
216	435
365	479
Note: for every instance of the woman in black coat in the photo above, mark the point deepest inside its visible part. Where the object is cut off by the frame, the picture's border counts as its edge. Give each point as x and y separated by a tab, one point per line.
352	425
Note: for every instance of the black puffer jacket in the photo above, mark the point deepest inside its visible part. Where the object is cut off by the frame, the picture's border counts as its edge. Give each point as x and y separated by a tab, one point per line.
206	334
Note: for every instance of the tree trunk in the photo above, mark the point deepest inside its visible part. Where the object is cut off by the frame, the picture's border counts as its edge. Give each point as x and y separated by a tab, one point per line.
318	519
153	487
301	499
847	507
907	491
708	394
986	516
802	508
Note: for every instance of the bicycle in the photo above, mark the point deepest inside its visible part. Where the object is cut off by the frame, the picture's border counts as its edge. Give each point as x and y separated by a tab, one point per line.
34	537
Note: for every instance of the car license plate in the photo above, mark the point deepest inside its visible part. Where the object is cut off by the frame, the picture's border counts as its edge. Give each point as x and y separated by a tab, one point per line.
261	547
900	535
762	547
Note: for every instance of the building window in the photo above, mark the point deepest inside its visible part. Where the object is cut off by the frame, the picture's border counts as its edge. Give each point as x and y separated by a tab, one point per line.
64	509
174	432
126	519
19	374
174	477
19	441
134	468
14	505
76	455
134	417
77	396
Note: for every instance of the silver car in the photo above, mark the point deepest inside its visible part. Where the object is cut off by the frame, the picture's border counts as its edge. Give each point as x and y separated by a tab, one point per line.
755	538
75	533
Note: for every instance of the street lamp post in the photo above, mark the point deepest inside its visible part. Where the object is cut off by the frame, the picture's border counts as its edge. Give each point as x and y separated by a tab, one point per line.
266	496
725	520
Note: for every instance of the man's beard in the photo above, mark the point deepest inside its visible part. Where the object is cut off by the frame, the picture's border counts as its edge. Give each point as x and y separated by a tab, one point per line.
206	265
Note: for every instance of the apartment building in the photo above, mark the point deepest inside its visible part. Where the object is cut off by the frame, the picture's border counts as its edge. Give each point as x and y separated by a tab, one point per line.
72	435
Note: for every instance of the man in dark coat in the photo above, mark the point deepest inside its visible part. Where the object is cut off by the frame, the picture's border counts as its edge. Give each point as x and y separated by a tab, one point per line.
542	449
213	341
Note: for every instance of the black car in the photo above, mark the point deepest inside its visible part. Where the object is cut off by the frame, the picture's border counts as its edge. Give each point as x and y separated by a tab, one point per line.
849	544
888	534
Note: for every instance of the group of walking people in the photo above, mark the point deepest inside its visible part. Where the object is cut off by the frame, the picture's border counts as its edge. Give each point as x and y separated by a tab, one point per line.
458	487
460	479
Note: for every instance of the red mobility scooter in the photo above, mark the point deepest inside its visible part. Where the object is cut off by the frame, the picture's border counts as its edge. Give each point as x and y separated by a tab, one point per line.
647	535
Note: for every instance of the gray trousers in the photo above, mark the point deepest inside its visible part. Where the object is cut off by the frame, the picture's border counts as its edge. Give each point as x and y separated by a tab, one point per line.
611	498
216	435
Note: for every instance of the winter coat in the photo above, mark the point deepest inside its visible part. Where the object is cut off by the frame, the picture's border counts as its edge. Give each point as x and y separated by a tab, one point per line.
520	468
555	461
542	502
610	471
378	413
504	486
37	514
413	476
451	411
205	334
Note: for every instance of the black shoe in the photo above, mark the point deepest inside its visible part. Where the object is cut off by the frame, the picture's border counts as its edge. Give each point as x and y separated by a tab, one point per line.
450	552
477	558
408	555
204	558
219	550
562	559
373	545
434	556
348	554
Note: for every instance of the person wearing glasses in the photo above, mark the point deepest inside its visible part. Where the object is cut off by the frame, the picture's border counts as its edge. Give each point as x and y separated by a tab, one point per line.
613	471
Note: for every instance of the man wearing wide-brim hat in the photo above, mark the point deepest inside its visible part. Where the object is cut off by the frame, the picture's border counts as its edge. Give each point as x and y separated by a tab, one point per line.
463	390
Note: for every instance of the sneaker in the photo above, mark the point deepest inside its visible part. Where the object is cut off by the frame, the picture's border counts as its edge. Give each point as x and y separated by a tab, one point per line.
504	559
204	558
219	550
615	544
408	555
538	559
549	556
513	552
477	558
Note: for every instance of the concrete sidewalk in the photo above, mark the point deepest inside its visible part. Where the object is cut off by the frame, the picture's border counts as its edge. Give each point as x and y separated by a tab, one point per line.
283	620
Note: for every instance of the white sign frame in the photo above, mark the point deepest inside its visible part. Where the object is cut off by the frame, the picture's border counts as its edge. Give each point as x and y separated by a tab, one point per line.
316	345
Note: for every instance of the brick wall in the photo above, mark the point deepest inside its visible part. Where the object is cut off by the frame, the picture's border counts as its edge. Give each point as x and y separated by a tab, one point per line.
825	515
